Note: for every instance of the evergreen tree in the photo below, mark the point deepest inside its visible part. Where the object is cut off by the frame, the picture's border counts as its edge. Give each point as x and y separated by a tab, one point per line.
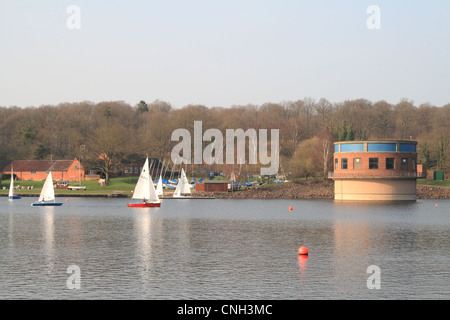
344	132
142	107
350	133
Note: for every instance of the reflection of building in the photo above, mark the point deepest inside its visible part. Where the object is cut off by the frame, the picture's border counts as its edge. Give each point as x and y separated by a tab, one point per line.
375	170
38	170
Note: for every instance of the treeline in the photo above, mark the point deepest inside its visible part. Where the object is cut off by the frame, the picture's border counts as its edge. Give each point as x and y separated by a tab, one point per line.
108	133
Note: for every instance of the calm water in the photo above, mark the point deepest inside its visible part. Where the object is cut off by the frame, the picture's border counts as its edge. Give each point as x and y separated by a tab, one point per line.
224	249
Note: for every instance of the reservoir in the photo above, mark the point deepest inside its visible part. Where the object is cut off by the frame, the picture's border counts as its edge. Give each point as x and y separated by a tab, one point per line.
224	249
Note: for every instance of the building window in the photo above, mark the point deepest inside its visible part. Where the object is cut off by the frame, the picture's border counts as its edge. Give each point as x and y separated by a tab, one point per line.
344	163
336	161
33	172
357	163
373	163
414	165
404	164
128	169
390	163
136	170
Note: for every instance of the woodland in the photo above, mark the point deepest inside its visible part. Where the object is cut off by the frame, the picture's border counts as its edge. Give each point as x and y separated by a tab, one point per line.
106	134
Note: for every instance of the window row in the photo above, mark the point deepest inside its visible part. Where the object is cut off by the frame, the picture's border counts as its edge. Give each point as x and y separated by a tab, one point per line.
374	163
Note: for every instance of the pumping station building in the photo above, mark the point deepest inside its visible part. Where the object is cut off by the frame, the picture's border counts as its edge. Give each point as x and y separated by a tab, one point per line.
375	170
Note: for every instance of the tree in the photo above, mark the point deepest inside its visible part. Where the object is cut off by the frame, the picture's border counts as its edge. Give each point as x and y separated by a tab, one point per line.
350	133
142	107
325	145
107	148
303	163
405	111
41	152
383	119
424	116
424	154
442	149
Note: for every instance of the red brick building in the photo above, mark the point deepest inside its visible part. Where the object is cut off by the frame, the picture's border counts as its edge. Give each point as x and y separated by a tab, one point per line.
38	170
375	170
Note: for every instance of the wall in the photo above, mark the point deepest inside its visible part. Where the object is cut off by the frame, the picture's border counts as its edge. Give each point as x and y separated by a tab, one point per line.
375	189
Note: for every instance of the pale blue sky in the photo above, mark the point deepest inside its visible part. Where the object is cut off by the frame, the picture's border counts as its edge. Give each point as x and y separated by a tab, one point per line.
221	53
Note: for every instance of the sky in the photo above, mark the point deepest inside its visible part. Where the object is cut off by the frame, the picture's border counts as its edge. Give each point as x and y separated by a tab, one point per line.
223	52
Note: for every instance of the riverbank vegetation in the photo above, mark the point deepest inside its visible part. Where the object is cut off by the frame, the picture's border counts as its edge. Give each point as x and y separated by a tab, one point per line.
106	134
310	188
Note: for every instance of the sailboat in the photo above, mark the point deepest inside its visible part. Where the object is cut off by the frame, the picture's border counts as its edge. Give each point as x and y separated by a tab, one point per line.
183	187
11	187
159	187
47	196
145	190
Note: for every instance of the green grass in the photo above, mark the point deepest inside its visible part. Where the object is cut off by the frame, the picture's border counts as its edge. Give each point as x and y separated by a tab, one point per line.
434	183
116	185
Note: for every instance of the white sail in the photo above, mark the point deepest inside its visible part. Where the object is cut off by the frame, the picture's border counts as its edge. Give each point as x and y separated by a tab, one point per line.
153	196
159	187
47	192
183	185
142	189
11	186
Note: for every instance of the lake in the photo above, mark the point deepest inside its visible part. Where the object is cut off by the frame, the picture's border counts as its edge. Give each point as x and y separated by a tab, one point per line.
224	249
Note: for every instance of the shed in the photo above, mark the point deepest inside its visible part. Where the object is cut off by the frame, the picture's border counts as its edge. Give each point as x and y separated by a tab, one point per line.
212	186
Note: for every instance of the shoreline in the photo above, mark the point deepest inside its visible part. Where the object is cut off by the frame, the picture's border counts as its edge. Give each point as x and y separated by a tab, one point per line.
313	189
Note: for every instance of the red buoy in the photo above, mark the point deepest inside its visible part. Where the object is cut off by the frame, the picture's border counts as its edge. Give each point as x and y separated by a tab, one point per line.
291	208
303	251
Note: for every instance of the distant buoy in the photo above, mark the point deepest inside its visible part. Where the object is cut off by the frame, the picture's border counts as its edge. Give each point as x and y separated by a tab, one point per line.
67	200
303	251
291	208
437	204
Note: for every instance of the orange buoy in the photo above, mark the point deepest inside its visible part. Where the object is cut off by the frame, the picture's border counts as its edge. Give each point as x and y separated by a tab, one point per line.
67	199
291	208
303	251
437	204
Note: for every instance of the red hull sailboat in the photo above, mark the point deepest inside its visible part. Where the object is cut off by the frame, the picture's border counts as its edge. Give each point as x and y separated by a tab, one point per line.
144	204
145	190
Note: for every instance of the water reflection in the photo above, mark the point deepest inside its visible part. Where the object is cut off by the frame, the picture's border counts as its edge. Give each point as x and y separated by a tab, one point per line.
232	250
11	230
49	237
143	225
302	263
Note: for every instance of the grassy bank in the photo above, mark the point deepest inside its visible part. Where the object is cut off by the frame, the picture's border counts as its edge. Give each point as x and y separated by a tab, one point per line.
116	185
302	188
434	183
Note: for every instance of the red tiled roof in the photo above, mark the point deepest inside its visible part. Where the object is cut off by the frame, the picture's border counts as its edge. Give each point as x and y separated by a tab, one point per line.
38	165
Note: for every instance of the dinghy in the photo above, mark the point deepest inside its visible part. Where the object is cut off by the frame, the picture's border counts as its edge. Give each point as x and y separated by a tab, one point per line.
145	190
11	194
159	187
183	189
47	196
